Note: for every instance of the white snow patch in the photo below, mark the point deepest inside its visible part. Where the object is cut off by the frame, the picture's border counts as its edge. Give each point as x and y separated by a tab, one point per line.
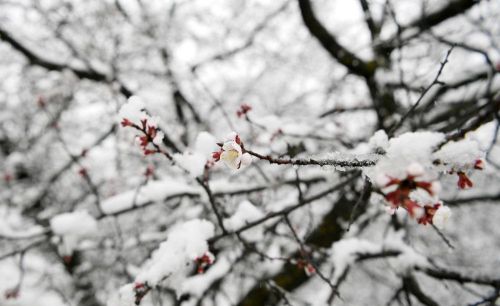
459	155
72	228
245	214
153	191
193	162
345	252
173	260
79	223
133	110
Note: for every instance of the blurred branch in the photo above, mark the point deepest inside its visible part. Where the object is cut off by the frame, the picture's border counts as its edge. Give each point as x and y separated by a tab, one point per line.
451	9
371	24
329	42
417	103
37	60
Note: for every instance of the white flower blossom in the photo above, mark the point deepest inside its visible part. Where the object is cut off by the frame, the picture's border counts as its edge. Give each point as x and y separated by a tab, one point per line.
441	217
232	153
233	156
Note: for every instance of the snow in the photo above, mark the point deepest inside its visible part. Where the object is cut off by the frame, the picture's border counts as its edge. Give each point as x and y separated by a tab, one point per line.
14	226
415	169
409	258
124	297
133	110
379	140
403	154
246	213
460	155
205	144
153	191
33	291
173	259
72	228
344	253
79	223
193	162
158	140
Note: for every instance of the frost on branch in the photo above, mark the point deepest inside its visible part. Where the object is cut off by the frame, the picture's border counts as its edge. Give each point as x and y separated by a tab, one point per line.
182	252
407	174
232	152
72	228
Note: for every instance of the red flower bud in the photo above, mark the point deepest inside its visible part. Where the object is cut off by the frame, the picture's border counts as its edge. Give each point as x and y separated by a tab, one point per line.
149	152
479	164
463	180
83	172
429	212
67	259
12	293
125	122
216	155
149	171
41	102
244	109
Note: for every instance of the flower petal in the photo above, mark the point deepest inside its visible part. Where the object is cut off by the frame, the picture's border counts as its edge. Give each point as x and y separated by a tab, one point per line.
246	159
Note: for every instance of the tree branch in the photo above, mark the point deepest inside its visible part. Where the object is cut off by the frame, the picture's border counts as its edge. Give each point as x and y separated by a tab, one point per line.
328	41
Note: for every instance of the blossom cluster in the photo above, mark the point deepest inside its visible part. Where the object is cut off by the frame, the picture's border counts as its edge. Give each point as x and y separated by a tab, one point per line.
407	172
400	195
132	114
